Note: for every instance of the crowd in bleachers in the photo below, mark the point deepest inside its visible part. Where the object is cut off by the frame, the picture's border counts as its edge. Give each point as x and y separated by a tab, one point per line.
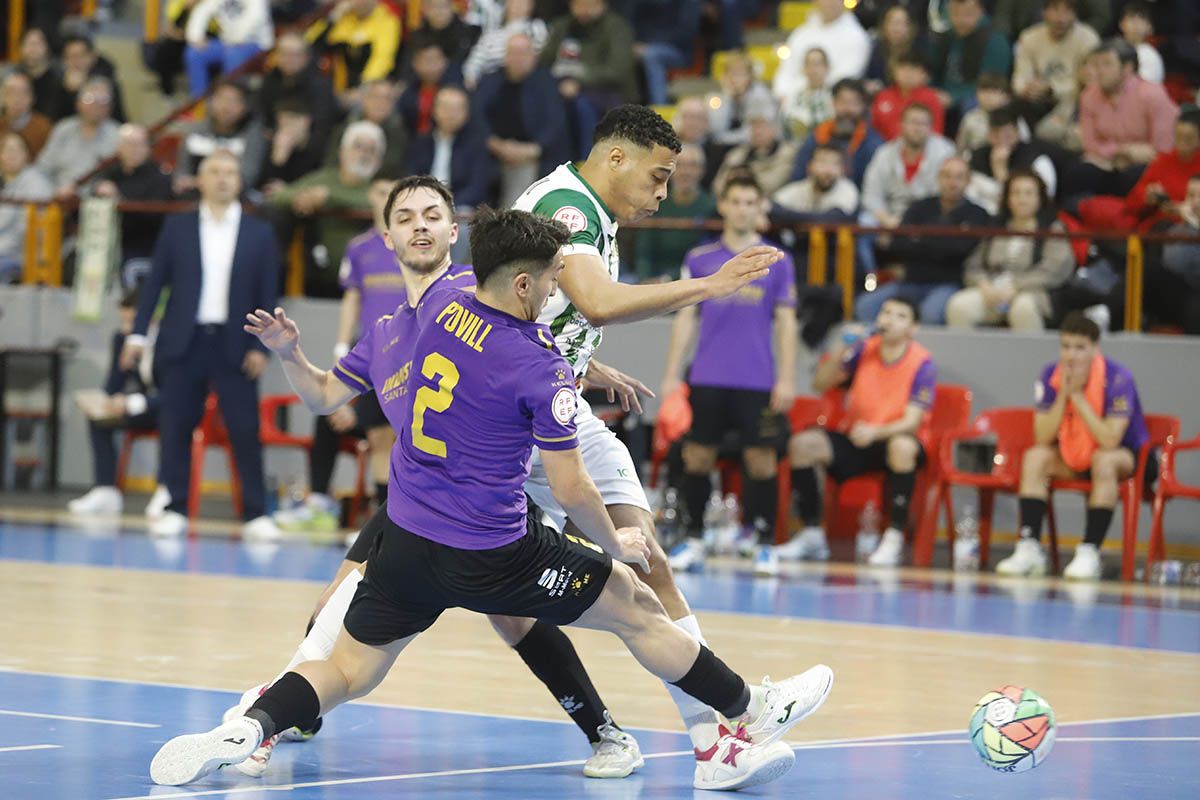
1024	114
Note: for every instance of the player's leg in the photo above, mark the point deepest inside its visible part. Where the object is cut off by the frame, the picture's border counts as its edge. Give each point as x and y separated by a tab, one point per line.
808	450
761	431
1039	464
1110	466
699	453
904	457
380	439
317	510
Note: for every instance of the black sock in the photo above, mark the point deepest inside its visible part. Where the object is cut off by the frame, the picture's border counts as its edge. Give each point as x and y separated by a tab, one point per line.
807	494
550	656
290	702
1098	520
900	490
696	491
381	493
713	683
762	499
1030	522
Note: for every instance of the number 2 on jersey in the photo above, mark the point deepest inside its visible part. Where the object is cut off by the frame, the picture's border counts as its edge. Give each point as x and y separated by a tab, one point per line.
435	400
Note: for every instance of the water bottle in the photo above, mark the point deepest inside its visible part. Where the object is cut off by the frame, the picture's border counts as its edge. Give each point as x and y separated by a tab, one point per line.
713	513
1166	573
731	524
666	520
966	541
1191	574
868	531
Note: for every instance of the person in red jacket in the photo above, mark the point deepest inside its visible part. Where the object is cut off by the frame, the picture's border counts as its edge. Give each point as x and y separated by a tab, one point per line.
910	84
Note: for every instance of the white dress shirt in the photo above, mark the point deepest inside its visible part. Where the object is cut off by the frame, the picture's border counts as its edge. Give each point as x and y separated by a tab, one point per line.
218	239
443	150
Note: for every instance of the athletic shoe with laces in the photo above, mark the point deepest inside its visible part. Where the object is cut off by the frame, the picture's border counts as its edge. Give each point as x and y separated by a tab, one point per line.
809	544
1027	558
616	755
766	561
688	556
98	500
789	701
158	502
256	765
1085	566
889	551
186	758
735	762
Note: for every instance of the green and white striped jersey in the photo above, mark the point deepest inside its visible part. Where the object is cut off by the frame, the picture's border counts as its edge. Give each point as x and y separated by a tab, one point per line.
565	196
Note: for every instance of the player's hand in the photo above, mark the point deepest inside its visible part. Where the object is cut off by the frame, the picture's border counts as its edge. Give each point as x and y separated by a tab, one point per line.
254	364
617	384
670	386
632	548
747	266
278	333
131	354
783	394
861	434
343	419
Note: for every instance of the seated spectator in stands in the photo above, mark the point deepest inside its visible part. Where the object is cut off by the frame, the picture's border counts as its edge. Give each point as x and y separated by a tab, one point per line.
378	105
813	104
431	70
1048	58
991	92
21	181
80	61
243	31
135	176
229	125
892	381
1003	153
692	123
164	57
322	205
767	156
1124	122
933	265
660	252
905	169
17	114
1061	128
296	79
897	36
488	54
526	118
1010	17
727	110
848	131
969	49
825	195
129	403
1088	422
1009	278
78	144
441	25
910	85
365	35
37	63
293	153
1172	289
664	38
1137	26
832	27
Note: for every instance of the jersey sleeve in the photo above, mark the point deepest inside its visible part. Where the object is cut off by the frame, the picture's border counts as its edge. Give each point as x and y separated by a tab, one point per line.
550	401
354	368
1044	394
576	211
1121	394
924	385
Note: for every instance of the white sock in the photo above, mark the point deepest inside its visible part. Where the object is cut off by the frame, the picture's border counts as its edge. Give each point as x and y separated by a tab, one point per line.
758	699
319	643
700	720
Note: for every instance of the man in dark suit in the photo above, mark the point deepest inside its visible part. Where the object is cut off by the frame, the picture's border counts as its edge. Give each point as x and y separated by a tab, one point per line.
219	265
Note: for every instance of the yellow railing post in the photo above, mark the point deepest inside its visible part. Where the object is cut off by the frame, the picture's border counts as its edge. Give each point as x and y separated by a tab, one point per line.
294	285
43	245
152	20
16	27
844	267
414	15
87	9
1134	277
818	252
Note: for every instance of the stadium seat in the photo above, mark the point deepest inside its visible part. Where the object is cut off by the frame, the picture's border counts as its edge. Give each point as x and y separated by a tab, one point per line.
793	14
211	432
1169	486
767	57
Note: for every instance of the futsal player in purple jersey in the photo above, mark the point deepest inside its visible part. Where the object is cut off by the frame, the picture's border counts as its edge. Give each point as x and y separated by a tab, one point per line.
483	360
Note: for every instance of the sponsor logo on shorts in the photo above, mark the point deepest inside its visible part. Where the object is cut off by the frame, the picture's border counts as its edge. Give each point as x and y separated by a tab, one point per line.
556	581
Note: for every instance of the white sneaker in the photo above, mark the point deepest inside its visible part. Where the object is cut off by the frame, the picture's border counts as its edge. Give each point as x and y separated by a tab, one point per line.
256	765
788	702
735	762
809	544
248	698
688	556
889	551
766	561
616	755
158	502
170	524
1027	558
261	529
1085	566
186	758
99	500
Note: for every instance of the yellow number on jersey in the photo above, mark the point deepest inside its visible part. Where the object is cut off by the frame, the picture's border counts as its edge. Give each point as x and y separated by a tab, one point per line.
437	401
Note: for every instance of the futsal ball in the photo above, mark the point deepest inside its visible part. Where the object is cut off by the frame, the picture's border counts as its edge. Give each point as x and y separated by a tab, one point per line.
1012	729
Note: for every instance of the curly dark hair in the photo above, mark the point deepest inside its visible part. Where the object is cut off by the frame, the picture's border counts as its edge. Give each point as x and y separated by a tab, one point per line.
502	241
412	182
640	125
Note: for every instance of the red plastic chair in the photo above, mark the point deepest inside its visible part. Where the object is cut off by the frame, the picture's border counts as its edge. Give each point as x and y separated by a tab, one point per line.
211	432
1161	428
132	435
1169	487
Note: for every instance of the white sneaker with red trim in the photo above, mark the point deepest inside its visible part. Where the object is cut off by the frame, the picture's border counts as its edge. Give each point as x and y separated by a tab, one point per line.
735	762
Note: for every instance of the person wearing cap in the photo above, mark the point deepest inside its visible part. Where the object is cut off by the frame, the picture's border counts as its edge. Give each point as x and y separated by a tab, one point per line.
766	156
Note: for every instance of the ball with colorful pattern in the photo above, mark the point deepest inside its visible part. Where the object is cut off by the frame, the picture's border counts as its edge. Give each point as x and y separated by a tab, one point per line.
1012	729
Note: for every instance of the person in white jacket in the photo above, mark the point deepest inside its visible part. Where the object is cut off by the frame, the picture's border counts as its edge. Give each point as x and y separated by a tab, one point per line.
244	30
836	31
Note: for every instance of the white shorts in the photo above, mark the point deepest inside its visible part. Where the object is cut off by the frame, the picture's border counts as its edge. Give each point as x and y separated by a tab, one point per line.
607	461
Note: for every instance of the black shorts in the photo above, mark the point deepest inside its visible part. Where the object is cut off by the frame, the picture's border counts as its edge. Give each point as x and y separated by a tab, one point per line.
717	410
361	549
850	461
369	413
411	580
1148	480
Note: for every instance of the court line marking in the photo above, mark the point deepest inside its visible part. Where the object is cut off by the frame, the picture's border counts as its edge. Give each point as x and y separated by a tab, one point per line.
20	747
79	719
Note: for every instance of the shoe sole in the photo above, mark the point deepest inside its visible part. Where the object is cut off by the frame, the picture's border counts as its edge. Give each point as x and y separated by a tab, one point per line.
186	758
791	723
768	771
641	762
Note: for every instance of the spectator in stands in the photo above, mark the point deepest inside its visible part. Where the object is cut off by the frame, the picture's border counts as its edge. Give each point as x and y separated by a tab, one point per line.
1087	422
21	181
129	403
897	36
767	156
969	49
229	125
848	131
526	118
134	175
1172	290
37	63
933	265
910	85
892	381
660	252
1009	278
489	53
991	92
164	57
831	26
441	25
80	61
293	152
826	195
664	38
727	110
1137	26
813	104
243	31
1005	152
431	71
296	79
378	105
730	16
365	35
1010	17
1048	58
323	203
905	169
78	144
18	115
692	123
1123	123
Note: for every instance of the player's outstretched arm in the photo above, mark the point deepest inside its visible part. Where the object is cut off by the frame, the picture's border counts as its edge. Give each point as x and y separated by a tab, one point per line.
319	389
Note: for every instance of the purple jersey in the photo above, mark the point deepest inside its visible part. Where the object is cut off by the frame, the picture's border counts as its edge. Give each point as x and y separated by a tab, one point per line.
733	348
371	267
1120	400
